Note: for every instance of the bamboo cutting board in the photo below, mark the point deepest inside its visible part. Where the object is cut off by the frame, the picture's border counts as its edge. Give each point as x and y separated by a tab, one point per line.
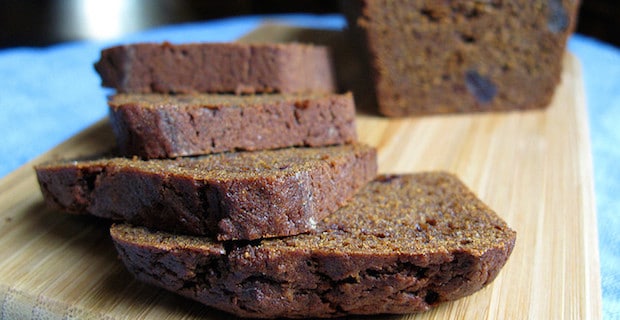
533	168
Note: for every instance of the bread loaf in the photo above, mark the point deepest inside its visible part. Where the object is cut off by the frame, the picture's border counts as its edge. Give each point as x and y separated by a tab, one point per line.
433	57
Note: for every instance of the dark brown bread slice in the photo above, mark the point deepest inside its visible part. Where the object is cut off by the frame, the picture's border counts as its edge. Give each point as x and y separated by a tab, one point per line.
403	244
167	126
216	68
244	195
433	57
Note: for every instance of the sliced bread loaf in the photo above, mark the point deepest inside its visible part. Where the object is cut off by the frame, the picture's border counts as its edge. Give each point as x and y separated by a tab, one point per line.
403	244
167	126
430	57
241	195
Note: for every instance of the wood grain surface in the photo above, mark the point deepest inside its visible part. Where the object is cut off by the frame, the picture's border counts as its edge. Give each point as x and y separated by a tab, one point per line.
533	168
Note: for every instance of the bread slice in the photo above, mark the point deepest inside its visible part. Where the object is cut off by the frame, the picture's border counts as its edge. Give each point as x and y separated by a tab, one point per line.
242	195
167	126
433	57
217	68
404	244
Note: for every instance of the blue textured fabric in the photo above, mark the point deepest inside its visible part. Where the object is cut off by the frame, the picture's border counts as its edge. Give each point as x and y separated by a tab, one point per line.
601	72
53	93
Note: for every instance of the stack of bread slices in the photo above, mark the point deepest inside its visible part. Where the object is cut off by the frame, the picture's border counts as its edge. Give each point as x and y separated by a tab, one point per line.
239	182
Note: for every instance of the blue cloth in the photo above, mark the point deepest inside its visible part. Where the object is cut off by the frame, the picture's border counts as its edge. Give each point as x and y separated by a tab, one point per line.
50	94
601	72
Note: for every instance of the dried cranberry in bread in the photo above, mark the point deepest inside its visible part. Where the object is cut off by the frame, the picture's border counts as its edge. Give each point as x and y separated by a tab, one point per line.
432	57
403	244
167	126
217	68
241	195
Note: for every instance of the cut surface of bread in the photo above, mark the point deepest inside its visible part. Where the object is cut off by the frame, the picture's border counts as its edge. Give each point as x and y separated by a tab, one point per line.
240	195
432	57
403	244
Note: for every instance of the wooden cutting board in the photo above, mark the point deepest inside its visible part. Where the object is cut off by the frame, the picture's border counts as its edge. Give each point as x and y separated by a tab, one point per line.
534	168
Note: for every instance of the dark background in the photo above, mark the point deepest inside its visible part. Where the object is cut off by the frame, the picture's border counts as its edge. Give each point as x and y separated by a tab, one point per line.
45	22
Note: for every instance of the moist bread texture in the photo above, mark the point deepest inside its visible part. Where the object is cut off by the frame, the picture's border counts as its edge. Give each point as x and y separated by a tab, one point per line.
431	57
405	243
216	68
167	126
241	195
